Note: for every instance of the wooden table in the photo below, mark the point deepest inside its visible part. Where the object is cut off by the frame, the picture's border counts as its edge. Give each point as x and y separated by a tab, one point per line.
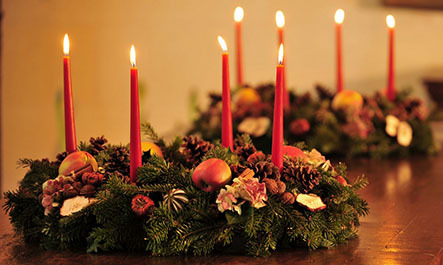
405	226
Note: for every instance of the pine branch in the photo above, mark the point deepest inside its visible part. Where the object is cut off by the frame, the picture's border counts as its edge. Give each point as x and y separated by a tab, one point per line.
222	153
245	139
149	132
360	183
24	162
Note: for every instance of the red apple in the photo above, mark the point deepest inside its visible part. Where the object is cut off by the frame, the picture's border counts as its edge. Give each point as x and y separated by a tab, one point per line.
293	151
211	175
78	163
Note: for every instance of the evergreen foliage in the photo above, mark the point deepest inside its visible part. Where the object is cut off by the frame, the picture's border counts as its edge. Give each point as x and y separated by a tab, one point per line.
199	228
333	132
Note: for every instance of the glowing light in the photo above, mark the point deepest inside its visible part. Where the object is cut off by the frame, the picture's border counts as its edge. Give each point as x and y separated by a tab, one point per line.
66	45
222	44
390	21
339	16
238	14
280	54
280	19
132	55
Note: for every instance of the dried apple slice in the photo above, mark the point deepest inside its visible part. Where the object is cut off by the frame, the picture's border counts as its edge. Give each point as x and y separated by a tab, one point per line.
311	201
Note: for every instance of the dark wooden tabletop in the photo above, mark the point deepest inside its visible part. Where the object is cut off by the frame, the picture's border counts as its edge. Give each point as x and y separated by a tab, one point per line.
405	226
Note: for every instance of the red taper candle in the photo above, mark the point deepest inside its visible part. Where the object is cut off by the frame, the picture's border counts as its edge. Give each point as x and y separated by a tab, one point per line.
135	151
277	130
226	98
390	93
339	17
70	137
238	17
280	22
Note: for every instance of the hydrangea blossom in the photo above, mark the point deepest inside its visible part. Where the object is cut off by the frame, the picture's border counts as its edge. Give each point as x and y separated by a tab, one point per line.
227	200
250	189
244	188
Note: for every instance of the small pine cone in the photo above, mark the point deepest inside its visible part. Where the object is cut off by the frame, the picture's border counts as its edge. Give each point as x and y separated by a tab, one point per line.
271	185
257	156
195	148
243	150
266	169
60	157
119	161
97	145
307	176
281	186
287	198
237	170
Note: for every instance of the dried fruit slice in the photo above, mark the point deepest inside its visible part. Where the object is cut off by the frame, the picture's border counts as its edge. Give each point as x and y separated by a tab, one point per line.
311	201
255	126
75	204
404	134
392	123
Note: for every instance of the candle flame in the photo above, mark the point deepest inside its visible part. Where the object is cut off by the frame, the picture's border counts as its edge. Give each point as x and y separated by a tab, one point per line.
390	21
280	54
238	14
222	44
339	16
66	45
280	19
132	55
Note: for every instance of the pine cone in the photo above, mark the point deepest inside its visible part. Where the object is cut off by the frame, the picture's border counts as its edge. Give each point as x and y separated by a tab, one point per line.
60	157
97	145
305	175
119	161
194	148
244	151
236	170
255	157
266	169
